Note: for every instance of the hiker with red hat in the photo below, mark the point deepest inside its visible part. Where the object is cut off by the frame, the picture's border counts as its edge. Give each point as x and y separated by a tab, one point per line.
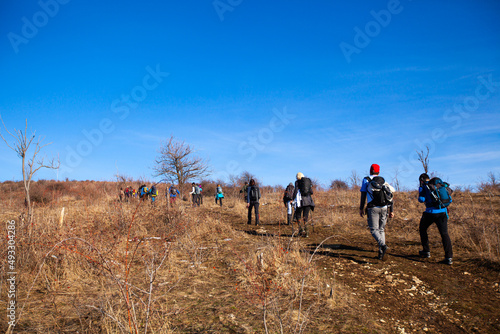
377	194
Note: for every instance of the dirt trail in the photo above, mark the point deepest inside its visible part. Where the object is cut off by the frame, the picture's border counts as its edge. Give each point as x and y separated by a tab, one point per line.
405	293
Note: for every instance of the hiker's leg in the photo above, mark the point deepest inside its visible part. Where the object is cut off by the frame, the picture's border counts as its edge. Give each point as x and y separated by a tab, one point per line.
306	210
425	222
257	216
382	222
298	216
249	221
442	224
220	199
373	223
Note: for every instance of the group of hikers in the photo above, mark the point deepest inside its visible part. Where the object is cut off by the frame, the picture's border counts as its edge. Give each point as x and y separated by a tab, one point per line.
378	196
376	202
144	193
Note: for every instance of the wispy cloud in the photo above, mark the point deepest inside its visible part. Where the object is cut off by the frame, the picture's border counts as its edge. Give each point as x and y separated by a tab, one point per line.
475	157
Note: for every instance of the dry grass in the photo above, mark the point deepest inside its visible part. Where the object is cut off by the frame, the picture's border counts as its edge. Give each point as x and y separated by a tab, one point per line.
105	266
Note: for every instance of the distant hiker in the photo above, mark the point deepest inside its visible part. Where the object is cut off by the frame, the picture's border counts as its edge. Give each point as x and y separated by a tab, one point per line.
143	192
436	195
253	197
219	195
303	202
172	193
127	194
121	194
287	200
153	192
200	195
134	193
195	194
244	190
378	194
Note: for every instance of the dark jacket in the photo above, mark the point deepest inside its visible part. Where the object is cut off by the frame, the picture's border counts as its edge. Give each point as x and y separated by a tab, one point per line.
248	198
306	200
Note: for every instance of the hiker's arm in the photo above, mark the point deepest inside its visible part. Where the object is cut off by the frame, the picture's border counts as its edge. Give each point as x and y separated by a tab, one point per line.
421	195
362	204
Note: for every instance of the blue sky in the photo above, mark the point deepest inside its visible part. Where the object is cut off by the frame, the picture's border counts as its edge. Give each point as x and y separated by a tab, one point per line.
274	88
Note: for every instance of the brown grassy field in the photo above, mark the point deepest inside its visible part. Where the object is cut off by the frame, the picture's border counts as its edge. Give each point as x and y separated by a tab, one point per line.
88	263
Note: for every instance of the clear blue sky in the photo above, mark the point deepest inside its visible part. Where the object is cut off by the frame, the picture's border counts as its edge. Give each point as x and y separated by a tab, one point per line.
272	87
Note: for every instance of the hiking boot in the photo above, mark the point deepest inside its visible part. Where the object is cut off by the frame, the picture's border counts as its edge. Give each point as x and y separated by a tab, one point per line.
381	254
249	223
424	254
448	261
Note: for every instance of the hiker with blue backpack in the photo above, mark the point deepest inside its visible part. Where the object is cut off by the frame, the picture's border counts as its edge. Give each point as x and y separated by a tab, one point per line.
219	195
378	196
153	192
303	202
172	193
143	192
436	195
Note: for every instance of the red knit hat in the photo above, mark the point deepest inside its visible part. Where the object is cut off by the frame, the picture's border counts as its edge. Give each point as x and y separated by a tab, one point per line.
374	169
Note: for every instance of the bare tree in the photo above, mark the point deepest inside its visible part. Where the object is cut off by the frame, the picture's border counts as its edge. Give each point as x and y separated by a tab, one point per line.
177	162
22	144
423	157
246	176
355	179
395	180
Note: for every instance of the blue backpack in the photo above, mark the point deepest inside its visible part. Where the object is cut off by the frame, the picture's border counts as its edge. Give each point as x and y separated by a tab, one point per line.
440	193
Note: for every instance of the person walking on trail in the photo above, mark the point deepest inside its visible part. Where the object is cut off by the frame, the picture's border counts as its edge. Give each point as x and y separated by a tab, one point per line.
153	192
219	195
436	211
287	200
195	193
127	194
121	194
143	192
304	203
200	195
244	190
378	195
172	193
253	197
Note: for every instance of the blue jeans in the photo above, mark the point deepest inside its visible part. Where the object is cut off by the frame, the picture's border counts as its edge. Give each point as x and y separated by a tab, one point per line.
377	218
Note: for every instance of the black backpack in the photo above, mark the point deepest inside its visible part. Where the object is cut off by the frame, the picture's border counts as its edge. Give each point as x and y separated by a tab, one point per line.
380	192
305	186
288	196
440	193
254	193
